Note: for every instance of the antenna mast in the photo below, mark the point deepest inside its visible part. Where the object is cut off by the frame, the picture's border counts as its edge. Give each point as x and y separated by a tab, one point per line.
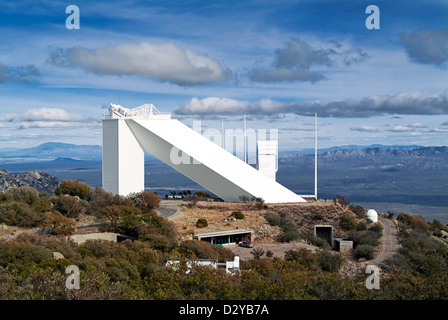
245	156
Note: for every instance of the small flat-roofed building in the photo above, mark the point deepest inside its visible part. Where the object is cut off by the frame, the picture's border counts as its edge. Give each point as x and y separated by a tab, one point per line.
325	232
341	244
227	237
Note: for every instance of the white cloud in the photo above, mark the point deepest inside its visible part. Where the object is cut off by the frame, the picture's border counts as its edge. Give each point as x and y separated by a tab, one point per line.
44	114
401	128
414	103
50	114
164	61
364	129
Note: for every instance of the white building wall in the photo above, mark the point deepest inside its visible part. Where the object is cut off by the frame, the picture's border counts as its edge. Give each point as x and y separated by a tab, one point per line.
211	166
123	159
267	158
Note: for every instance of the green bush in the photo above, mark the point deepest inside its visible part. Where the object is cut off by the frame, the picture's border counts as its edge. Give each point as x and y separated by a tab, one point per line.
201	223
74	188
348	222
305	257
238	215
290	232
365	237
329	261
70	206
204	250
377	228
273	219
202	195
60	224
366	251
20	214
358	210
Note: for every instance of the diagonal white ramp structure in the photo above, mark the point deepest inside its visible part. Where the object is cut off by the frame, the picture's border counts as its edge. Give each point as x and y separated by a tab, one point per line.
127	133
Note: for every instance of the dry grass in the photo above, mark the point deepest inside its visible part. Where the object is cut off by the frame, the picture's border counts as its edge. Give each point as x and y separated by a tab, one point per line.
216	213
305	216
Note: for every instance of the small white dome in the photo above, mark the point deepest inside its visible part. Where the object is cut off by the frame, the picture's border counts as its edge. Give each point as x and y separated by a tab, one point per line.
372	215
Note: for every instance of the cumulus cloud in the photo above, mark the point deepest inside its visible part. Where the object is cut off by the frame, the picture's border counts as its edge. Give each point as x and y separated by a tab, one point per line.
28	73
164	61
401	128
48	125
426	46
44	114
415	103
364	129
47	118
296	60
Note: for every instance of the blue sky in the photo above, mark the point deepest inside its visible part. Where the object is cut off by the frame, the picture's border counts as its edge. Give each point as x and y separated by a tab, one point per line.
277	62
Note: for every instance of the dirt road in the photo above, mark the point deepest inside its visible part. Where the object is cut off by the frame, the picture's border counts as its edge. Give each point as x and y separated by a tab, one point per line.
391	243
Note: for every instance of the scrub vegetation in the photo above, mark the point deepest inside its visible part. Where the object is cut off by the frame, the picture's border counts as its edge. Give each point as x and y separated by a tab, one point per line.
37	226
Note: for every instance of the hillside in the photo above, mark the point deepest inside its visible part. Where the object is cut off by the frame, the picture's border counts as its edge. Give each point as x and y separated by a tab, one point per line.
41	181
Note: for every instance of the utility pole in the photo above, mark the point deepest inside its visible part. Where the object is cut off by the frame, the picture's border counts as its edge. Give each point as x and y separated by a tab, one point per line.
315	156
245	155
223	139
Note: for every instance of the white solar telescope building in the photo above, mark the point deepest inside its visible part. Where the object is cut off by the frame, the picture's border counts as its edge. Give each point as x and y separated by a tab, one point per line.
127	133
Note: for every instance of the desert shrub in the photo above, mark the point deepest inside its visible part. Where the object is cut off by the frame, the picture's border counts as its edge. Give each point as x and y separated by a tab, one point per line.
289	232
269	254
238	215
341	200
99	199
411	221
377	228
146	201
365	237
316	241
358	210
30	196
20	214
191	200
366	251
201	223
257	252
259	203
27	195
362	225
59	224
74	188
437	225
198	249
305	257
348	222
70	206
202	195
18	253
328	261
273	219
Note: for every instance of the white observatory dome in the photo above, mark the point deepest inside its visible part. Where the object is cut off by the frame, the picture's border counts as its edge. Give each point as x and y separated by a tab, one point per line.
372	215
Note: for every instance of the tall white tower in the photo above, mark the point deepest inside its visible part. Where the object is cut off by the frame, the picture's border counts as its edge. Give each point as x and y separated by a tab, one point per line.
127	133
123	157
267	158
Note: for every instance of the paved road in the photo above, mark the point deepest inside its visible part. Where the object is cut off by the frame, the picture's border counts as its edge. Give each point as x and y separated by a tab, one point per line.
278	249
390	241
169	208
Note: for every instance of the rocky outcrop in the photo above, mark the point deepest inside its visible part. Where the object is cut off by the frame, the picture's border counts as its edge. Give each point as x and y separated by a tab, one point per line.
39	180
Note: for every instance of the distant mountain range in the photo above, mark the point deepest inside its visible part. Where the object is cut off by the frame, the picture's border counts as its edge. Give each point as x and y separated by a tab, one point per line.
57	151
51	151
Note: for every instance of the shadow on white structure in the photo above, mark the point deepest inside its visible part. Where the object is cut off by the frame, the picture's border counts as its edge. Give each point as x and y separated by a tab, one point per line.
127	133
